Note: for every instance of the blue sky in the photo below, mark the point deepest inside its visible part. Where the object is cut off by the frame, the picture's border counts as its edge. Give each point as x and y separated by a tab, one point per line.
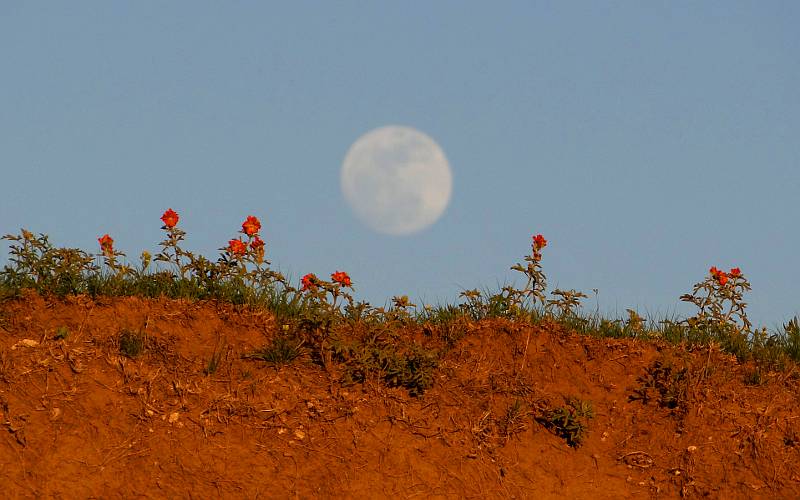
646	140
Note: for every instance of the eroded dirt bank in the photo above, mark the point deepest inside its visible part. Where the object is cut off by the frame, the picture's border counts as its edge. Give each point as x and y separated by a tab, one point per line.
80	419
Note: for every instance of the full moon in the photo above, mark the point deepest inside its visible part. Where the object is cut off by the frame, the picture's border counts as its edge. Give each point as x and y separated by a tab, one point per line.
396	179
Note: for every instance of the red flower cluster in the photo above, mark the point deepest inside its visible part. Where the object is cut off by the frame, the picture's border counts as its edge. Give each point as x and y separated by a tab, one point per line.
170	218
257	244
342	278
718	275
251	225
106	244
237	247
722	277
538	243
309	281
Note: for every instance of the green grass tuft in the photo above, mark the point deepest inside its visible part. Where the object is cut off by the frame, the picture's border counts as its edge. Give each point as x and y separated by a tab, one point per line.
282	350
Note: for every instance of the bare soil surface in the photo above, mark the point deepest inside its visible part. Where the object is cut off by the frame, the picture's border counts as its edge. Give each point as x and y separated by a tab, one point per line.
78	419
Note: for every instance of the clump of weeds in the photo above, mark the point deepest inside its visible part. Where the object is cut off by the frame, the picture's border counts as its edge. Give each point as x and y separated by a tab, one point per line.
62	332
565	302
131	343
666	385
790	338
283	349
513	421
570	422
37	264
220	352
444	322
412	369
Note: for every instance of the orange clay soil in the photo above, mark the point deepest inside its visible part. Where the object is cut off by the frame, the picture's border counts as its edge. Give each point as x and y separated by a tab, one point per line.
79	420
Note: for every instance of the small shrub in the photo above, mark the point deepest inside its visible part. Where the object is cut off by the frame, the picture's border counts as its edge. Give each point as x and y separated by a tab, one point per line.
720	300
569	422
565	301
412	370
665	384
131	343
36	263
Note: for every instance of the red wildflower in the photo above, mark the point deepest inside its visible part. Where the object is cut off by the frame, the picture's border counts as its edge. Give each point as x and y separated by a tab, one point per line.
309	282
237	247
257	244
342	278
720	276
735	272
539	242
170	218
251	225
106	244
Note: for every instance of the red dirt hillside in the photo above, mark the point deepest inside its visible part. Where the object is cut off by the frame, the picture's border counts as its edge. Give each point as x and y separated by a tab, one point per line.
645	419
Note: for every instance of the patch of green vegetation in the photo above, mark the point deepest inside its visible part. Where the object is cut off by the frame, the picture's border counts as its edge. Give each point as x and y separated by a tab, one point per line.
131	343
665	384
443	322
480	305
570	422
412	369
37	264
214	362
790	339
281	351
62	332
